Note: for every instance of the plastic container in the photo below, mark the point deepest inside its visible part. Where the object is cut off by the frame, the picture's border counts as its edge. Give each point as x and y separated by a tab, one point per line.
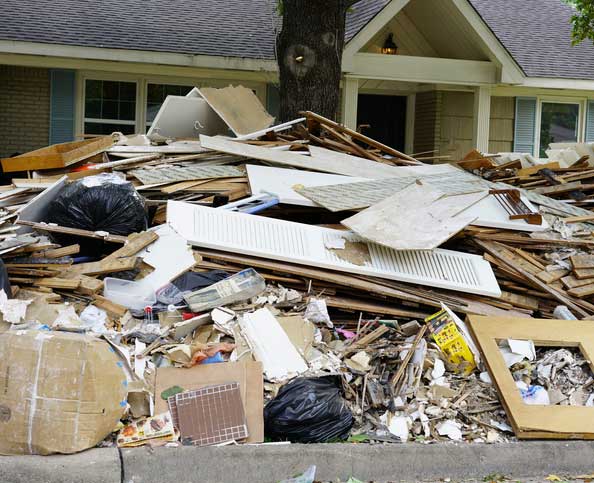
130	294
241	286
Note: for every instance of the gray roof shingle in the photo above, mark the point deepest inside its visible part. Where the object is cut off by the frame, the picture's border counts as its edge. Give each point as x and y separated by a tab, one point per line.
238	28
537	33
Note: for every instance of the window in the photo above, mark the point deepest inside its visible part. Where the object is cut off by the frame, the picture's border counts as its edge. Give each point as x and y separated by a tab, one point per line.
110	106
559	122
156	94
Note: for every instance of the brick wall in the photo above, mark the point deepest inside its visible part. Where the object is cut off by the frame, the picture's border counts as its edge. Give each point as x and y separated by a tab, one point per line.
24	109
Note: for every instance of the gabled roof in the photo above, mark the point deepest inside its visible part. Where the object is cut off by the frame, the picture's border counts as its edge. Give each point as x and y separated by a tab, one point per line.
227	28
537	33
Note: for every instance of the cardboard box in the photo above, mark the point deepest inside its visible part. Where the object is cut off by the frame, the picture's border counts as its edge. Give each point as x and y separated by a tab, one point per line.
59	392
248	374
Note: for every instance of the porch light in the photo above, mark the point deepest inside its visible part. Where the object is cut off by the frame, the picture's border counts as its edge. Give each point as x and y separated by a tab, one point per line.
390	47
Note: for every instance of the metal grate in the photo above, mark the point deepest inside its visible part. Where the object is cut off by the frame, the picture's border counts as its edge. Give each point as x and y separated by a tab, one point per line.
211	415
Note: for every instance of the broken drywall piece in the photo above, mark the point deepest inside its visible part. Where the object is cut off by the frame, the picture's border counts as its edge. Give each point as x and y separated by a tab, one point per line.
185	117
451	429
420	217
271	346
237	106
397	425
13	310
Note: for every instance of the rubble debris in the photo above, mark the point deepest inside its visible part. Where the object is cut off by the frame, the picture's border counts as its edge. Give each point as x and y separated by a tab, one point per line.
244	278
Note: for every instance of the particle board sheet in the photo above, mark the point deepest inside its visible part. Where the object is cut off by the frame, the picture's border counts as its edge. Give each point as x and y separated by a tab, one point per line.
174	174
351	166
316	246
238	106
355	196
536	421
280	182
419	217
211	415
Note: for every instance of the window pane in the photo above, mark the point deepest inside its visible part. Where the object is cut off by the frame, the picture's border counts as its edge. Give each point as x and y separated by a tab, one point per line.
559	123
101	128
156	94
93	108
110	100
93	89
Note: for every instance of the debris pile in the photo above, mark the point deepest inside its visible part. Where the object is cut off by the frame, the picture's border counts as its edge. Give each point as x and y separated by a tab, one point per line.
226	265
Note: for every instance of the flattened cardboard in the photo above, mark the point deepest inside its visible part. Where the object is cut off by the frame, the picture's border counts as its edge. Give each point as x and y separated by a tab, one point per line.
59	392
536	421
247	373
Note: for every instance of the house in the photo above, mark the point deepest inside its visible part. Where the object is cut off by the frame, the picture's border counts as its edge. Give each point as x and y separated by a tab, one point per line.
499	75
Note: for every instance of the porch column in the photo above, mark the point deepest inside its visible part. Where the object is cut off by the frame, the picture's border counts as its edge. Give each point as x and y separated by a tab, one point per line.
348	107
482	113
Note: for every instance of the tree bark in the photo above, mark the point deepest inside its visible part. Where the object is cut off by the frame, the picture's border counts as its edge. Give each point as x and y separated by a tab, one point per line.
309	53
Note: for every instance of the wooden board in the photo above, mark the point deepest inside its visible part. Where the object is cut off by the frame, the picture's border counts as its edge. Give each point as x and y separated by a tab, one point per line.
536	421
57	155
582	261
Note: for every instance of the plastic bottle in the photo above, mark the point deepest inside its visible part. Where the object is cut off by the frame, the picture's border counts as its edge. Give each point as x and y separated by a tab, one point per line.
241	286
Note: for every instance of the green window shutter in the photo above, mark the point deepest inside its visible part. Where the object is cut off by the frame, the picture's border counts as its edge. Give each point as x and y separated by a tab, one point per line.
525	125
62	86
590	122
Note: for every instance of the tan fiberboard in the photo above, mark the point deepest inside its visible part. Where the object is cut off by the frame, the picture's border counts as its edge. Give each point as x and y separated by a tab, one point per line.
239	107
247	373
536	421
420	217
60	392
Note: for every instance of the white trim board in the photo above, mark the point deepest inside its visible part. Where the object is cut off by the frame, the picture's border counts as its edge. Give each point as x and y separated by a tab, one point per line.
307	245
280	181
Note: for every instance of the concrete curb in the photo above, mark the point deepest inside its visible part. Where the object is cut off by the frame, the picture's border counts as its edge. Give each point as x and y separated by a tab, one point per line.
390	463
92	466
268	464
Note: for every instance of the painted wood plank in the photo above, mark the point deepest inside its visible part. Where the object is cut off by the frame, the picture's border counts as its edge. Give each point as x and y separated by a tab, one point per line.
317	246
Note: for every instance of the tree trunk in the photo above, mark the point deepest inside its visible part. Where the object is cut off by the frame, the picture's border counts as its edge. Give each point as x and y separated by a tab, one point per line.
309	52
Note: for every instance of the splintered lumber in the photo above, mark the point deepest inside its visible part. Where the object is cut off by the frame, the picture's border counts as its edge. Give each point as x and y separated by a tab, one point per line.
522	301
73	231
552	276
60	283
583	273
367	339
402	158
582	261
571	282
371	307
88	285
134	243
509	260
583	291
113	309
101	268
403	365
579	219
59	252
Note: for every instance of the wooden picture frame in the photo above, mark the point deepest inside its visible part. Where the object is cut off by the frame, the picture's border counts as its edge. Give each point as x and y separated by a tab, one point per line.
536	421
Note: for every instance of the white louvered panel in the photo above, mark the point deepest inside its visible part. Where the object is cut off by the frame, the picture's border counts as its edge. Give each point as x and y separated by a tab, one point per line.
306	245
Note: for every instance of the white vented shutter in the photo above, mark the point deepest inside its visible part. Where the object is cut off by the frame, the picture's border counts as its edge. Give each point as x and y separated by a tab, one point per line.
306	245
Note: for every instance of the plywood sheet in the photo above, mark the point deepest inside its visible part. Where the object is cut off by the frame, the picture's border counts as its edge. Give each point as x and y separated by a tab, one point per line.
540	421
312	245
239	107
419	217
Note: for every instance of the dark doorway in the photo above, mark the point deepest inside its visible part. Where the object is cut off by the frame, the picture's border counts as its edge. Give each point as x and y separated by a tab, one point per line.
383	118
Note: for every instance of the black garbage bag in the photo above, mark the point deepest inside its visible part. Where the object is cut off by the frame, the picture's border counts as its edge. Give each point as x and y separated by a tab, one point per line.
308	410
4	282
97	203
